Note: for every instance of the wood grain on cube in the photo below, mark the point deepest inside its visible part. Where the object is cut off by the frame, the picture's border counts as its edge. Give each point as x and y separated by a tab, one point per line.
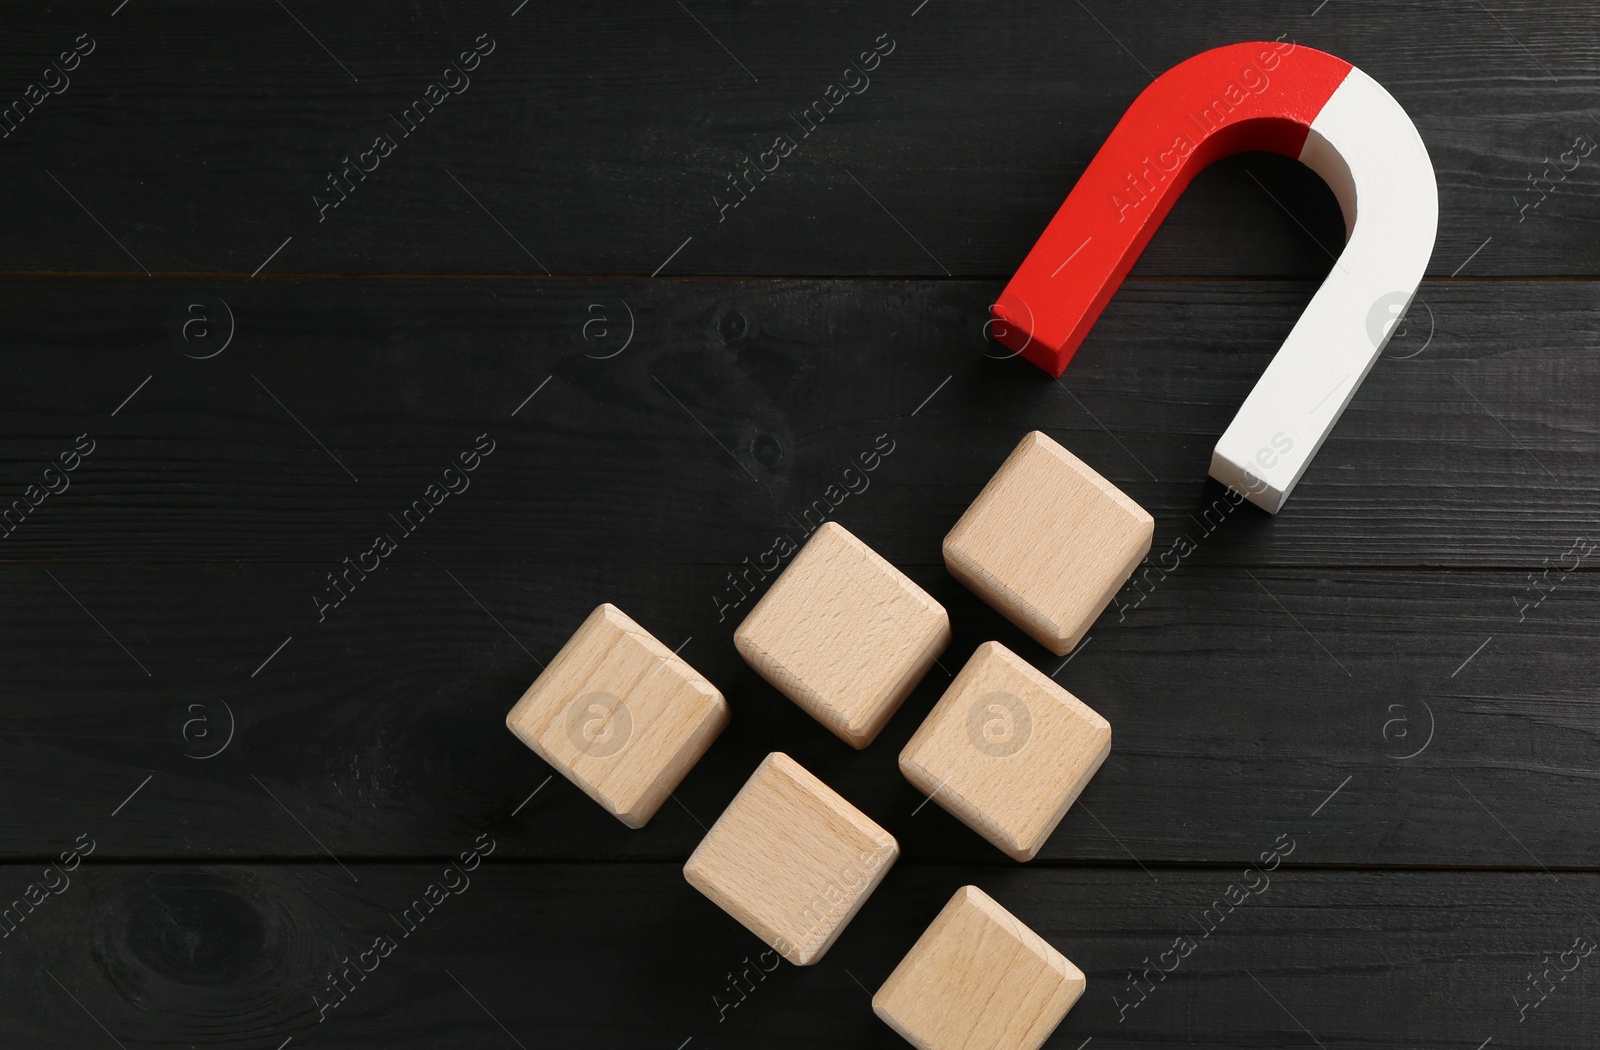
620	715
1006	750
978	979
791	859
844	634
1048	542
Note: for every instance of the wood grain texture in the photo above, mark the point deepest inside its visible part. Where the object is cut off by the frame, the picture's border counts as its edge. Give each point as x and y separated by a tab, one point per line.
1353	798
978	979
601	141
620	715
234	953
843	633
1048	542
1006	750
383	732
791	860
1440	461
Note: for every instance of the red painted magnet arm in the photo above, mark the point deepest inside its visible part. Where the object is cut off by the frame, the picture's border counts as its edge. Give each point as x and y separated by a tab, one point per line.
1235	99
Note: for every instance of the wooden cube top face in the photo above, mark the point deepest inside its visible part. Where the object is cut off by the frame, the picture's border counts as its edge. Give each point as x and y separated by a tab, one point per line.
620	715
978	979
791	860
844	634
1048	542
1006	750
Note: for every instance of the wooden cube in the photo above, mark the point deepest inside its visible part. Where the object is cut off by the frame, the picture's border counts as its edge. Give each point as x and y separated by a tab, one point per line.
1006	750
620	715
791	859
1048	542
844	634
978	979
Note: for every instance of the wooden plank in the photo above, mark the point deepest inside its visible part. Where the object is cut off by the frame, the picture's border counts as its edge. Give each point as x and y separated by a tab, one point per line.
739	405
1388	688
629	955
1240	700
603	142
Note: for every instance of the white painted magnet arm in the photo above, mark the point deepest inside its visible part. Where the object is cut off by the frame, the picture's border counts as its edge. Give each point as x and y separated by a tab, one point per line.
1369	152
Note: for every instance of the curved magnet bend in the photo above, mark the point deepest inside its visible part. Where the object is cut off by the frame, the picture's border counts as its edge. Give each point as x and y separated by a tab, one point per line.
1269	96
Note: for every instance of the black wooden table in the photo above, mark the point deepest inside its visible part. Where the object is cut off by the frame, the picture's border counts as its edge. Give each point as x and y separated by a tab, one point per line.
272	267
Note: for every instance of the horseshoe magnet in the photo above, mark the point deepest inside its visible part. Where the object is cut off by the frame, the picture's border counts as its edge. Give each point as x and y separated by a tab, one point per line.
1273	96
